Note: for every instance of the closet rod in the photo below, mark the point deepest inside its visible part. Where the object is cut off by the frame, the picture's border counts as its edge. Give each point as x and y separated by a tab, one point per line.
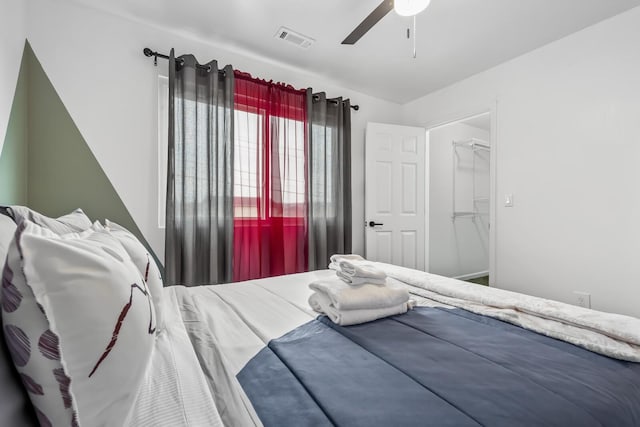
472	143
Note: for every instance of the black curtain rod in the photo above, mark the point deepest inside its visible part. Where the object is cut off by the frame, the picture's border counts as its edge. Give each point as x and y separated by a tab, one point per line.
335	101
151	53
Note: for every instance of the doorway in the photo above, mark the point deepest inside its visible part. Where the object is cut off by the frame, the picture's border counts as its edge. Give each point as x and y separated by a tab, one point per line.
460	198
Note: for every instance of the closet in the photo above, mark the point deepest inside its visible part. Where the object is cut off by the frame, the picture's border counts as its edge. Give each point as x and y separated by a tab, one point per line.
478	200
459	198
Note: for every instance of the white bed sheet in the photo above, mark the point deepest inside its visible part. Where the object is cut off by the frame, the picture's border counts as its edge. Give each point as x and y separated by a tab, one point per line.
229	324
175	392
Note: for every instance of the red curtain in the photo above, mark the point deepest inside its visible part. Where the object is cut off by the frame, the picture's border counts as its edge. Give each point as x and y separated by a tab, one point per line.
270	187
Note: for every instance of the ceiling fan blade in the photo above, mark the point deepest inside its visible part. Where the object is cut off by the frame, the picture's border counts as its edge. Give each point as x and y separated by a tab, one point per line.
380	12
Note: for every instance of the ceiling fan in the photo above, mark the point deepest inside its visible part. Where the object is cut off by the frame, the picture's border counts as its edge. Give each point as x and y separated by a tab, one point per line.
402	7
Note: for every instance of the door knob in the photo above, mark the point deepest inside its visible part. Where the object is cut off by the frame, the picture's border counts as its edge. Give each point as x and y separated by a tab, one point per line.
373	223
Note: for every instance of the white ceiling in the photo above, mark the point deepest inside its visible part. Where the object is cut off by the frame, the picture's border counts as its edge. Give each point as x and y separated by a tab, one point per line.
456	38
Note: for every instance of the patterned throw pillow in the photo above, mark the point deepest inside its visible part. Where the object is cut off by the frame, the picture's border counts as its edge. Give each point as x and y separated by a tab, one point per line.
15	406
145	263
79	323
18	301
33	346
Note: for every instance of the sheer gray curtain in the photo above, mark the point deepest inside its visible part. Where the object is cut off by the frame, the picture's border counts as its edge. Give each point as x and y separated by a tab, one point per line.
329	171
199	226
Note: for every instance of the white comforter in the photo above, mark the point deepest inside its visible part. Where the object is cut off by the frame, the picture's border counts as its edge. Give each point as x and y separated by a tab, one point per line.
609	334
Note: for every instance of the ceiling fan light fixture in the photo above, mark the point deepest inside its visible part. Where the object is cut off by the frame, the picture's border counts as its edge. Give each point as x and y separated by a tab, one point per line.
410	7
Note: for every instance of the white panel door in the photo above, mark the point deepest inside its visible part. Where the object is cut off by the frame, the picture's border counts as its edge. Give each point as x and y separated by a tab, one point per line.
395	190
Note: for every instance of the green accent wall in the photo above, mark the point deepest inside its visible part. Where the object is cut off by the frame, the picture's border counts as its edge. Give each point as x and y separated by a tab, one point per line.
61	171
13	158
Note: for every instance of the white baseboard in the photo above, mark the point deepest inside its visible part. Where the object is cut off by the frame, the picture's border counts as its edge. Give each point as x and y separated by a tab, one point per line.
472	275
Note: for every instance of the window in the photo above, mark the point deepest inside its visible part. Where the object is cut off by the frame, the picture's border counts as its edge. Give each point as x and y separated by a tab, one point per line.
263	183
291	161
249	162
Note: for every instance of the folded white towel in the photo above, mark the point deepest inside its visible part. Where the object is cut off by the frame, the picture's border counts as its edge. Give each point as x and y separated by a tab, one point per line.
357	271
336	258
365	270
355	280
366	296
320	303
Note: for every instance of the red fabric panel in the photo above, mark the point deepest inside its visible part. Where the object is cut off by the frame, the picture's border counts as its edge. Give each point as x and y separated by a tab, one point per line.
270	200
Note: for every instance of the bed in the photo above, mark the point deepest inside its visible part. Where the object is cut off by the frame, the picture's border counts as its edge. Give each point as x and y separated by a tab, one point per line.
269	359
255	353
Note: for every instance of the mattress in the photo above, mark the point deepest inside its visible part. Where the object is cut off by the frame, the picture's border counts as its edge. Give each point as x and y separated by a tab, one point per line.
268	359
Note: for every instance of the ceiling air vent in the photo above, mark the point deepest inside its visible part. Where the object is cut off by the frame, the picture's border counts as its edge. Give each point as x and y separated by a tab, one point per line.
291	36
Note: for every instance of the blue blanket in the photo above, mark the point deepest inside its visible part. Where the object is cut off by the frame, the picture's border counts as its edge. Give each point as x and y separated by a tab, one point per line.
437	367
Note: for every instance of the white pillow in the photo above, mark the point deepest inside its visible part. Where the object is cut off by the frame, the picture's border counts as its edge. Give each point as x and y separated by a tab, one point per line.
98	307
145	263
73	222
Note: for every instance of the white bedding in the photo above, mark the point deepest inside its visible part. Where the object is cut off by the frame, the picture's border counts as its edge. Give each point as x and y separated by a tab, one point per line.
175	392
227	325
609	334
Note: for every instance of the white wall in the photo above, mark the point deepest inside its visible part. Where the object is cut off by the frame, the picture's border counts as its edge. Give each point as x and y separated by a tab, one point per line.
95	62
568	148
461	247
12	37
567	136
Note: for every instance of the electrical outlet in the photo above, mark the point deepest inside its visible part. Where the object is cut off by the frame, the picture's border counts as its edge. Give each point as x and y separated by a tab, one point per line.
582	299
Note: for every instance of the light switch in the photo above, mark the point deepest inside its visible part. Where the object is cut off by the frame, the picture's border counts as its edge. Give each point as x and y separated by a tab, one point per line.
508	201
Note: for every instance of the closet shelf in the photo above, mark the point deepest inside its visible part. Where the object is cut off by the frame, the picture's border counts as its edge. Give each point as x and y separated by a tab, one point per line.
464	214
474	144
